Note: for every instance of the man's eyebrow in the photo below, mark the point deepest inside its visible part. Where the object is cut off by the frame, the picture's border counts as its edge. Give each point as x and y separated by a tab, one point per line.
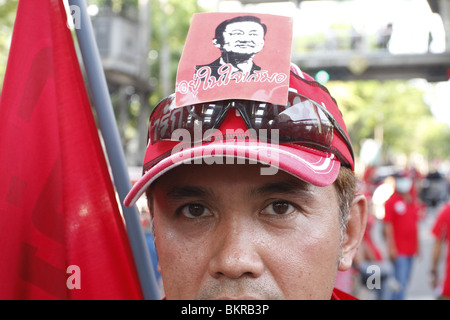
284	187
182	192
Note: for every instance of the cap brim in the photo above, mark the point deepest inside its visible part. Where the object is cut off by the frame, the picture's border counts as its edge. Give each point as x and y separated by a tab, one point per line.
317	168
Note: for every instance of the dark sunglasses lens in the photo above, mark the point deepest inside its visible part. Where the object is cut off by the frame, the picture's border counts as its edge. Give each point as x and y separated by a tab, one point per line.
167	118
301	121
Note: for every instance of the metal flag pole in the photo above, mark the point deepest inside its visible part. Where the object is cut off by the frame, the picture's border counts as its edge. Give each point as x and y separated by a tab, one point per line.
110	133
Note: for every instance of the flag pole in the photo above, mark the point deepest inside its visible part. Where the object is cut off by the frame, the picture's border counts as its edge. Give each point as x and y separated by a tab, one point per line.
107	122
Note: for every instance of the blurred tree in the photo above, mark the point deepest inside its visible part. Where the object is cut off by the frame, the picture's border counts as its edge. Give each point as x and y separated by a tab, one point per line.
393	112
170	24
435	139
170	20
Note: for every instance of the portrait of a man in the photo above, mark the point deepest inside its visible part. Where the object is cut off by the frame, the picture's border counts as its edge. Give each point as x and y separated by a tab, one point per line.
239	39
235	55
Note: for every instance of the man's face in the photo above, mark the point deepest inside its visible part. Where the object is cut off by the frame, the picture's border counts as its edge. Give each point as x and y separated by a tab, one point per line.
243	37
225	231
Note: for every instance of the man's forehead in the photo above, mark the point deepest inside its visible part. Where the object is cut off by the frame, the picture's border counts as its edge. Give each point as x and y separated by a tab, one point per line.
244	25
187	180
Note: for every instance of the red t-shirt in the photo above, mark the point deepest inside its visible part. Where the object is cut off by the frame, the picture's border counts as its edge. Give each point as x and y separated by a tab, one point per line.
441	230
403	216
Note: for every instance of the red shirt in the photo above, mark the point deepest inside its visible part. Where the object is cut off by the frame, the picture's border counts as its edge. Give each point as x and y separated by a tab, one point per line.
403	216
441	230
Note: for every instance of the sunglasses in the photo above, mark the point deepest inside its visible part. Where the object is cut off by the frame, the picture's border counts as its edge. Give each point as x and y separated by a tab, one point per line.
302	121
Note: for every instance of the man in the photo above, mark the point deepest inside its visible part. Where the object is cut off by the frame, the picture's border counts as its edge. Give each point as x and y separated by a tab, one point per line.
441	232
401	232
239	39
224	227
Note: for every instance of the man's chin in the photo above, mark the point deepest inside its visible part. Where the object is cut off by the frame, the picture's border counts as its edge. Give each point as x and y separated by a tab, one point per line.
236	57
240	290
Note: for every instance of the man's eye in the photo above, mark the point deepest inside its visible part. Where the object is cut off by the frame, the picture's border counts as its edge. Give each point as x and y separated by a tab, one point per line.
279	208
195	210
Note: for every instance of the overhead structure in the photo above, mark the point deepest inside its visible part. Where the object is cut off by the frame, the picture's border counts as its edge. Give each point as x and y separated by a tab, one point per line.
379	65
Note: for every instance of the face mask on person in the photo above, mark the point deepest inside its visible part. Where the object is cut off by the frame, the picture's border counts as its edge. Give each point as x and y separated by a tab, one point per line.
403	185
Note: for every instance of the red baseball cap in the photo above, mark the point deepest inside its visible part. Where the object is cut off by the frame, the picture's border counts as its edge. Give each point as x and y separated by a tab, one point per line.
316	166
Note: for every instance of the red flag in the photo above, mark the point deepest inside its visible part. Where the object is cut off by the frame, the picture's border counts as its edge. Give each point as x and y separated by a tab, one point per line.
61	232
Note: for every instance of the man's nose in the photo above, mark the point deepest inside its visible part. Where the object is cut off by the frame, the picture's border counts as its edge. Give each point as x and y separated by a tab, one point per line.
236	252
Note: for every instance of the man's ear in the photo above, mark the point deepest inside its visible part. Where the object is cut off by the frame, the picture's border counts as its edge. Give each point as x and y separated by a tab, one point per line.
216	44
354	232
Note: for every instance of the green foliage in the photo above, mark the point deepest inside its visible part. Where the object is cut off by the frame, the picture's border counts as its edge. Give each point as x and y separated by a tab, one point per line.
434	139
170	23
397	108
170	20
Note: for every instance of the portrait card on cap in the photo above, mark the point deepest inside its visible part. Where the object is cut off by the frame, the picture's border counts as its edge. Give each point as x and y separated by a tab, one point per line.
235	56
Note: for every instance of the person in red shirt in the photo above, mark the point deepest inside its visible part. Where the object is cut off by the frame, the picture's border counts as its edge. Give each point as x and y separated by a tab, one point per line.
401	232
441	231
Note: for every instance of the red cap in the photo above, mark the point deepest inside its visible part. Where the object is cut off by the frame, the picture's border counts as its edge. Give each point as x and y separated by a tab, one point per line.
307	86
316	167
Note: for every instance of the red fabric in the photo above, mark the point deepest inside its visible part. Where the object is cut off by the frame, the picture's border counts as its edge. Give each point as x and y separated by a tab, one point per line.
403	216
60	225
441	230
340	295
